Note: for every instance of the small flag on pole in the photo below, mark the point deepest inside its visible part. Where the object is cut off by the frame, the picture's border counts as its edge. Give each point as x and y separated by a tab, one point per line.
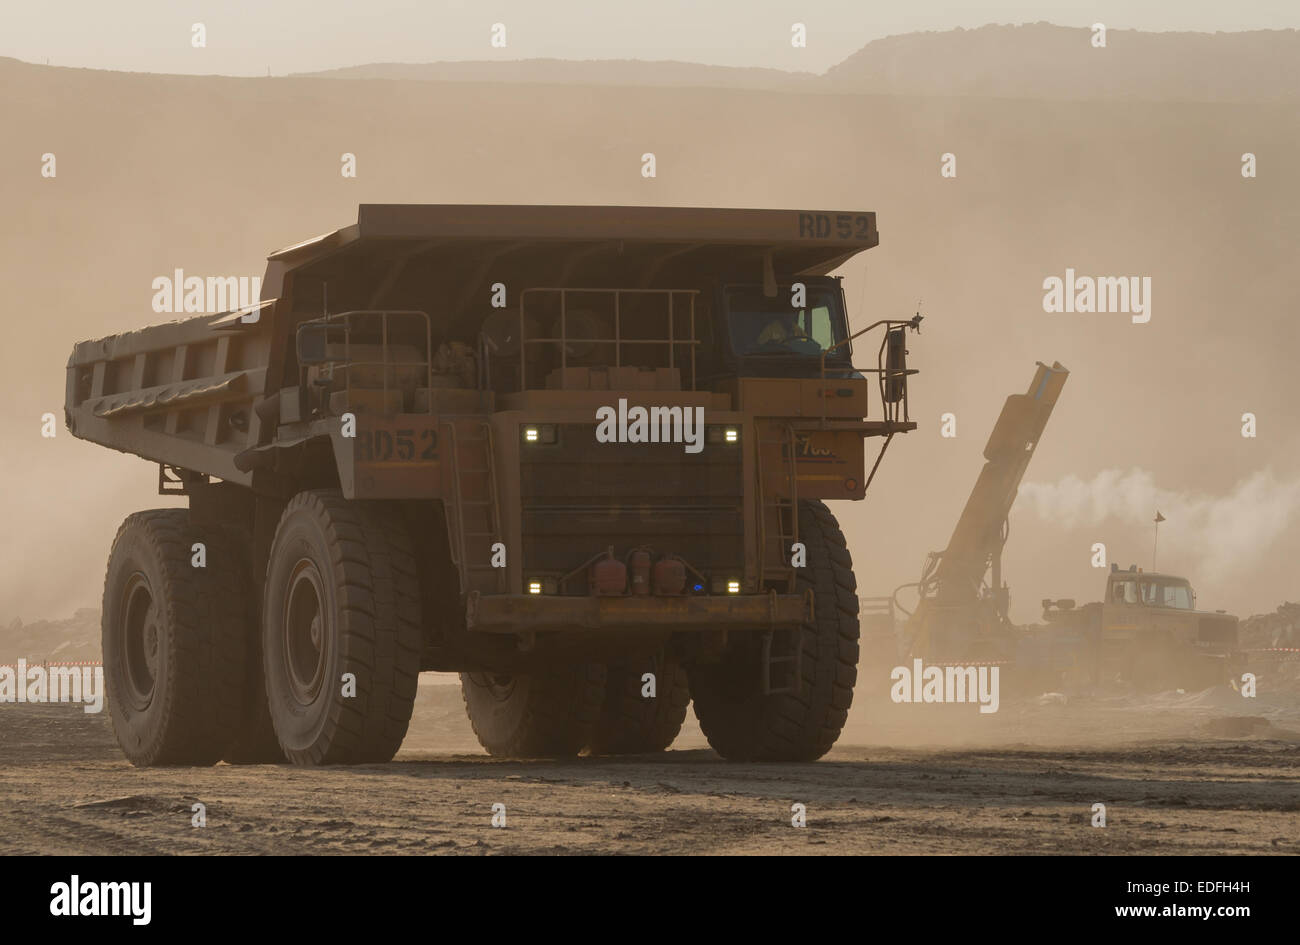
1159	518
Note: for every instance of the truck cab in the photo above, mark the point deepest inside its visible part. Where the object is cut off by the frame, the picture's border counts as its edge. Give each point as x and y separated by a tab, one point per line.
769	336
1147	628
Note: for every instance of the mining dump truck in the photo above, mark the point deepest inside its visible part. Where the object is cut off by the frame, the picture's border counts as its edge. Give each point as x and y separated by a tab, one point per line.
579	455
1147	630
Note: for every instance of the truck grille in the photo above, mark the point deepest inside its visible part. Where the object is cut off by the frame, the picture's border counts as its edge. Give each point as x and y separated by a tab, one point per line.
1217	630
580	497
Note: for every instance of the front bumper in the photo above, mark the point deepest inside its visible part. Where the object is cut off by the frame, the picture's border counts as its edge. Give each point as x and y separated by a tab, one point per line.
1232	658
531	613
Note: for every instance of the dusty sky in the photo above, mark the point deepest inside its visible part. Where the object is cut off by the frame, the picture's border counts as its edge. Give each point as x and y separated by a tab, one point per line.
152	177
247	37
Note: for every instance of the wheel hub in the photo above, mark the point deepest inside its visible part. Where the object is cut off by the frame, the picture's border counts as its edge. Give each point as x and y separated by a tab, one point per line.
306	643
139	642
499	685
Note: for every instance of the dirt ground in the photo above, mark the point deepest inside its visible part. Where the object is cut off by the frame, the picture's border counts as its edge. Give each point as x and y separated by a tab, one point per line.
1186	773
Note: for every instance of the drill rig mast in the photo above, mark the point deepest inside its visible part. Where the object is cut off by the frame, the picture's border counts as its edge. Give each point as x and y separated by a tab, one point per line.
961	614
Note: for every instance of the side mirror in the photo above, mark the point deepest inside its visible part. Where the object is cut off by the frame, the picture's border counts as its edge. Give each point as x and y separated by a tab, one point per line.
895	365
313	343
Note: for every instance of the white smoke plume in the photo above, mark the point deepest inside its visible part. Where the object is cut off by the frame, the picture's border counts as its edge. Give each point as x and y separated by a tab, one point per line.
1226	533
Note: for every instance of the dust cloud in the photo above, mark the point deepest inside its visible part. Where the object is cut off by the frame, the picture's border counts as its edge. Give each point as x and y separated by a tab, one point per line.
209	174
1229	535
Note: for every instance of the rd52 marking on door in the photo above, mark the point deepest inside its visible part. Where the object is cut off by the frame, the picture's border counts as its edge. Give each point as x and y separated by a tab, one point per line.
397	445
396	459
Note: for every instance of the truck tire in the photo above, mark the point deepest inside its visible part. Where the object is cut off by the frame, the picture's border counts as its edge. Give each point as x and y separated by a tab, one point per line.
743	724
548	714
255	742
341	630
630	723
173	640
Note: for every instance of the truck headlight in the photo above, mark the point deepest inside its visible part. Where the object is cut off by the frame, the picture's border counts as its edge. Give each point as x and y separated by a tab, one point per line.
544	433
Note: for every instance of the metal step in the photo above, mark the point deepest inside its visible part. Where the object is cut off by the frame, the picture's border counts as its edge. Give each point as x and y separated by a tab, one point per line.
792	660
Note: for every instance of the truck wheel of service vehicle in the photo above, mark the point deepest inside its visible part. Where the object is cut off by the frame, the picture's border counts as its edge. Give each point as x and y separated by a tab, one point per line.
631	723
341	630
173	640
743	724
548	714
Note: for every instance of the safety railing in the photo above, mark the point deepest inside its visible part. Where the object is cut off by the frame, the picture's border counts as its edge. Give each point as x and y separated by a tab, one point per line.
892	377
345	326
618	341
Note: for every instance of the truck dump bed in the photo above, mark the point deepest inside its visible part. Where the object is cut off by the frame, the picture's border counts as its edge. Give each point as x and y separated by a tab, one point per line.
180	393
194	393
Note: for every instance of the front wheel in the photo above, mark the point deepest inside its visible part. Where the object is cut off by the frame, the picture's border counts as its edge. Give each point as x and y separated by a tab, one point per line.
744	724
632	721
550	713
340	630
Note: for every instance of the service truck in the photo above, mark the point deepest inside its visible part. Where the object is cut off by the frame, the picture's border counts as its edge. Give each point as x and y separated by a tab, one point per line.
1147	630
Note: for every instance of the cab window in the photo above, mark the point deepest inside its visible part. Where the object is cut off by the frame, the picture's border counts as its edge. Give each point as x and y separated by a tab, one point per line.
817	325
759	325
1123	592
1160	594
1176	595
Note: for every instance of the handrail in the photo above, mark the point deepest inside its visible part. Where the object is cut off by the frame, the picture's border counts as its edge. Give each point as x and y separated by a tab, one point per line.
456	549
914	323
489	447
792	471
385	363
617	341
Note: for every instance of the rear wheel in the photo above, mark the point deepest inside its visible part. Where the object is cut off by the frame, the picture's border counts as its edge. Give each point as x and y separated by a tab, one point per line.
174	636
743	724
547	714
631	722
255	742
340	630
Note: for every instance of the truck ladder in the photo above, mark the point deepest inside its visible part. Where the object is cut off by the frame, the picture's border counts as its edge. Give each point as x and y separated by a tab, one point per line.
784	510
781	649
476	521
